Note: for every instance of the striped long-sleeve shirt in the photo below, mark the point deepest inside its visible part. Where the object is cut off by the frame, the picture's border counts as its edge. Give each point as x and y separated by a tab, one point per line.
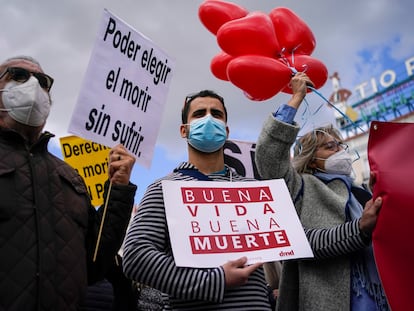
148	259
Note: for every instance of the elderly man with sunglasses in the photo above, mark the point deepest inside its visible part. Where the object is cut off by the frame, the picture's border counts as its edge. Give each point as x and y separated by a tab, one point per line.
48	227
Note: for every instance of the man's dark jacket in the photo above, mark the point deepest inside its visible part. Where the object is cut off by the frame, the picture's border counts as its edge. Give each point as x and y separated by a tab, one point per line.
49	229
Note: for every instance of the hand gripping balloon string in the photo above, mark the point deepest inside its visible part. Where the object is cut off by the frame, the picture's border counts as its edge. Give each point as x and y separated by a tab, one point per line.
333	106
295	71
304	116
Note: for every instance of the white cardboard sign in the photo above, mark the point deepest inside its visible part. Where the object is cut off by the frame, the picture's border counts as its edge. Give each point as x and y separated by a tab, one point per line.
213	222
124	91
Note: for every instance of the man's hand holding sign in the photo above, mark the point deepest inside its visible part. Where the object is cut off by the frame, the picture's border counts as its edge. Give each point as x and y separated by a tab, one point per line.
121	163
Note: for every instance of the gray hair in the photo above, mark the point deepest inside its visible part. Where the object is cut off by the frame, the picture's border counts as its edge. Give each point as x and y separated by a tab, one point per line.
306	146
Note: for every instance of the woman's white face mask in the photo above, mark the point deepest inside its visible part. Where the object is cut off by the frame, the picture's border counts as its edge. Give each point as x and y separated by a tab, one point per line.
26	102
338	163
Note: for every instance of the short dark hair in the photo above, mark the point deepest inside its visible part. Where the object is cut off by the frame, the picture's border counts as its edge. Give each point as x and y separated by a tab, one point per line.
191	97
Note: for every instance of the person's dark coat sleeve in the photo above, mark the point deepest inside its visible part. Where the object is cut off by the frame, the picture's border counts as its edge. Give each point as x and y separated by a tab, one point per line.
115	223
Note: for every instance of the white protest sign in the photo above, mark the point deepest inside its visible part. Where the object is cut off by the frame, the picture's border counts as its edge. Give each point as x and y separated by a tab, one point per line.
213	222
124	91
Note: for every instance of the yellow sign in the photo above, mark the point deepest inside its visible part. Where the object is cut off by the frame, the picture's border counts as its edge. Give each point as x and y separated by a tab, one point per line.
351	113
90	160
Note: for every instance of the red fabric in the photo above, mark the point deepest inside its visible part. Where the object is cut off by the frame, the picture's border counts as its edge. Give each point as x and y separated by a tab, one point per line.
391	158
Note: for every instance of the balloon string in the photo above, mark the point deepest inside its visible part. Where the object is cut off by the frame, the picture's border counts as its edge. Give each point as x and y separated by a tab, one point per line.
294	71
303	117
333	106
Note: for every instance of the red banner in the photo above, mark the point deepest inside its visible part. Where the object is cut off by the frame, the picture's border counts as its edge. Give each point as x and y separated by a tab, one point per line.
391	159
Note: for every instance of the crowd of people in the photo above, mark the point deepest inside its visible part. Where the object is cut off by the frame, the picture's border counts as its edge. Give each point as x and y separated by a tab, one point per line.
49	228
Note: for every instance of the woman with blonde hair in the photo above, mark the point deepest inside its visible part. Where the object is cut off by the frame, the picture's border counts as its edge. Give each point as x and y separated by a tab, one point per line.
338	216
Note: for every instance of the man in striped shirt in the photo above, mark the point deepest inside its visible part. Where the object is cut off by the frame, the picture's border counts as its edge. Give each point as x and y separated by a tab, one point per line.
148	256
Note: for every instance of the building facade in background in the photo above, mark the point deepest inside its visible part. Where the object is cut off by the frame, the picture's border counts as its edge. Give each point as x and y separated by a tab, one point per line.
389	98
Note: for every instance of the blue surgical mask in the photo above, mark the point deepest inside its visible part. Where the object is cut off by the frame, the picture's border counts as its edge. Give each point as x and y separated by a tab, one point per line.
207	134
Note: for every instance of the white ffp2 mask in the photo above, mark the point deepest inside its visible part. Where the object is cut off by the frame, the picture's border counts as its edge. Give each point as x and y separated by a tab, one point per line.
339	163
26	102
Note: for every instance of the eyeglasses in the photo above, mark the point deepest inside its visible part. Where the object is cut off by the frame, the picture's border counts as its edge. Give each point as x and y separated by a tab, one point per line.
334	145
22	75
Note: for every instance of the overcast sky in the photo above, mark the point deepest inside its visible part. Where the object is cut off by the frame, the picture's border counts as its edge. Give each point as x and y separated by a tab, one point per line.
358	39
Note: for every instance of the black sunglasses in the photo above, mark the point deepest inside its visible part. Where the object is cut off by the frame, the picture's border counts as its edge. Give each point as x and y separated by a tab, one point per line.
22	75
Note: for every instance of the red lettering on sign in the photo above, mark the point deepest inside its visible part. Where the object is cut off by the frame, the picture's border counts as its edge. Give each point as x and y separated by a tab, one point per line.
196	195
214	244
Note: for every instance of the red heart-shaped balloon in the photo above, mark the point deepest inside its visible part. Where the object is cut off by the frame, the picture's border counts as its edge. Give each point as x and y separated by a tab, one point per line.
314	69
260	77
292	33
253	34
218	65
214	13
